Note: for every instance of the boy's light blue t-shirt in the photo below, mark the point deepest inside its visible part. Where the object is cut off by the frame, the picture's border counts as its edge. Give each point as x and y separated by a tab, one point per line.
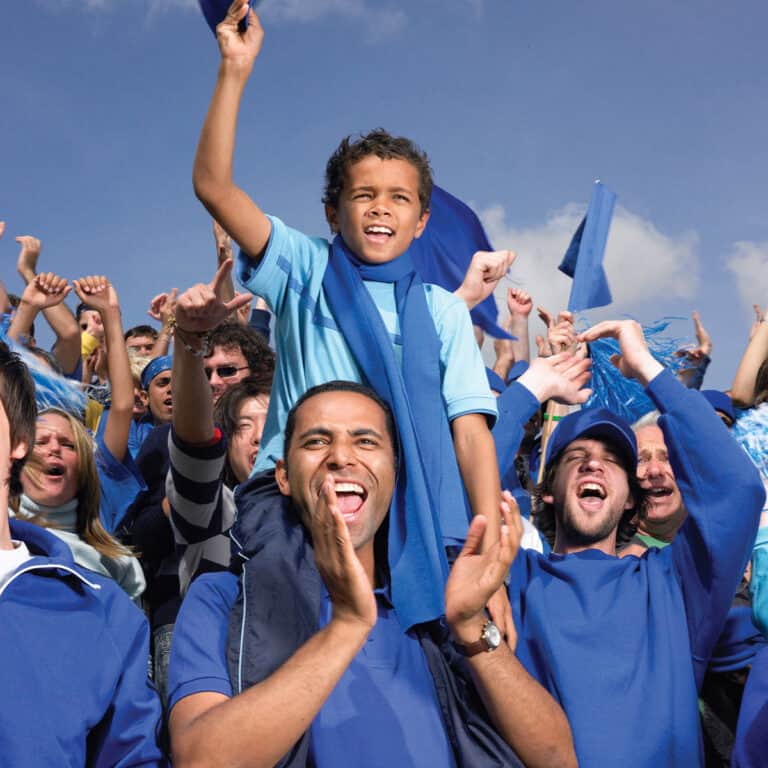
312	351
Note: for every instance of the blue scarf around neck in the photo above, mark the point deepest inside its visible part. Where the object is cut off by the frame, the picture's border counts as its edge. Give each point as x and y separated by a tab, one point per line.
428	490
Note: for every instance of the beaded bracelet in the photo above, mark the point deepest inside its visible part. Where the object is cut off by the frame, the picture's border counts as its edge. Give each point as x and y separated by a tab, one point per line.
203	337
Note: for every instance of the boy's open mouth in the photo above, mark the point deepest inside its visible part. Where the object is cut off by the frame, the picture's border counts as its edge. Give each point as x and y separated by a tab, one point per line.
378	233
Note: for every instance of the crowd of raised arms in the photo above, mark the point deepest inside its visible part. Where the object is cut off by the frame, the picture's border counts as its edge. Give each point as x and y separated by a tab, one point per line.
300	523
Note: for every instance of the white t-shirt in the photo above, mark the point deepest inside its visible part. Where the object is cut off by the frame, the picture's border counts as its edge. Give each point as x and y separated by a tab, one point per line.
11	559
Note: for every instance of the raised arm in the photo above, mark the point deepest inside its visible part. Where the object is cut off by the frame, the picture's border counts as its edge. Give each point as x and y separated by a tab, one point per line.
508	351
697	360
223	253
720	487
485	270
163	309
198	311
743	388
212	173
257	727
98	293
67	346
43	292
519	304
523	712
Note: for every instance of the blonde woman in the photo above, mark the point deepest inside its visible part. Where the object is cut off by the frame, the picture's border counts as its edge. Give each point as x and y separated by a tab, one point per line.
62	490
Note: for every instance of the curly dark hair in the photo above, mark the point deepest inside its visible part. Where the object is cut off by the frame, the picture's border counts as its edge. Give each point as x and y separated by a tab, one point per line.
257	353
385	146
545	519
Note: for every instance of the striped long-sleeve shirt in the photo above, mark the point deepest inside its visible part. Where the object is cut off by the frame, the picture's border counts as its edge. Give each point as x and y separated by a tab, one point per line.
202	507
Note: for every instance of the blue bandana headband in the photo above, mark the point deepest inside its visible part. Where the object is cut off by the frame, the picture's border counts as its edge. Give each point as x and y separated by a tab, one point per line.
153	368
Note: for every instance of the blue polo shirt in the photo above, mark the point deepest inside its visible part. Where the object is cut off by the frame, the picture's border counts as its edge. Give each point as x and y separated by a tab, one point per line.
311	349
382	712
120	483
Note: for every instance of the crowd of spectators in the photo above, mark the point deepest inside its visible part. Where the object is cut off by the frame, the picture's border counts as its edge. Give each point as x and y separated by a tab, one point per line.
304	524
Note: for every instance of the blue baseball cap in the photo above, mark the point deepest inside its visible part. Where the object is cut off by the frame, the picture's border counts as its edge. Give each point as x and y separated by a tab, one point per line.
720	402
153	368
596	423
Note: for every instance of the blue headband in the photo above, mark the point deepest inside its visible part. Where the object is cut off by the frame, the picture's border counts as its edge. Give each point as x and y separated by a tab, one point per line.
153	367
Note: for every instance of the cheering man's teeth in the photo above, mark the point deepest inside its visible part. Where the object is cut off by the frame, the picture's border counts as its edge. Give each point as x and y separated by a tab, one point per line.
591	489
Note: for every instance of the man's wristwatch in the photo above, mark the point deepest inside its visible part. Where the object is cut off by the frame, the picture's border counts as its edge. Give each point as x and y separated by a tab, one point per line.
490	640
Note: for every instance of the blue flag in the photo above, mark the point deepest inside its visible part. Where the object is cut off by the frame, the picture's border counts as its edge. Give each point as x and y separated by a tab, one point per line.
215	11
583	261
442	254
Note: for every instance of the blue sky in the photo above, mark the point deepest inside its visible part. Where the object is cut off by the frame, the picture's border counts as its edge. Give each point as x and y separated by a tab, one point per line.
521	105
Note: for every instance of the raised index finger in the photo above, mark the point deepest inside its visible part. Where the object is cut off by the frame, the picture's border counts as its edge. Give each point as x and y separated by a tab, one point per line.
222	273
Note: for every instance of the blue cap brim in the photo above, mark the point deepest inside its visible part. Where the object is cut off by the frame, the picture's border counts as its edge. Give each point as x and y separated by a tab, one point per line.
595	423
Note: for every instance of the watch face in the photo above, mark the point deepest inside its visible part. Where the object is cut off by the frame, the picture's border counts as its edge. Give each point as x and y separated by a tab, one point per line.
492	635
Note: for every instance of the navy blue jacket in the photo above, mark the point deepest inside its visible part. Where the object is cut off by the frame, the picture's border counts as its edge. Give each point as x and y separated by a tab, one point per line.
281	593
73	665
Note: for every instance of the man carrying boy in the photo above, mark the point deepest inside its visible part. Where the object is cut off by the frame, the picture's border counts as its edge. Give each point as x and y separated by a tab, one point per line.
356	310
321	672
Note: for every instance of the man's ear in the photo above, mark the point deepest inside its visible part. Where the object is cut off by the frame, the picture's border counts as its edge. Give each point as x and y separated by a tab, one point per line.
144	397
630	502
422	224
281	477
332	218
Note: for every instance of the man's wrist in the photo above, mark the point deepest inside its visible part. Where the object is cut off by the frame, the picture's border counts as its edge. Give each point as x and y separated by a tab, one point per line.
109	315
345	626
467	630
535	384
648	371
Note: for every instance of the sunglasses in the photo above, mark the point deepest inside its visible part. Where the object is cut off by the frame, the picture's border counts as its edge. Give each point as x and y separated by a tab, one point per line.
224	371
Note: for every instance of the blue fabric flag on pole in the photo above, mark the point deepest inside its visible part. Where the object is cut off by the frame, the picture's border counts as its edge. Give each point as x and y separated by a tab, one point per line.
583	261
443	252
215	11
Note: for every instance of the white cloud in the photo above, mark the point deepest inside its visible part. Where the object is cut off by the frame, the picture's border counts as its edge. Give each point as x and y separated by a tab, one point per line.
640	261
748	261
